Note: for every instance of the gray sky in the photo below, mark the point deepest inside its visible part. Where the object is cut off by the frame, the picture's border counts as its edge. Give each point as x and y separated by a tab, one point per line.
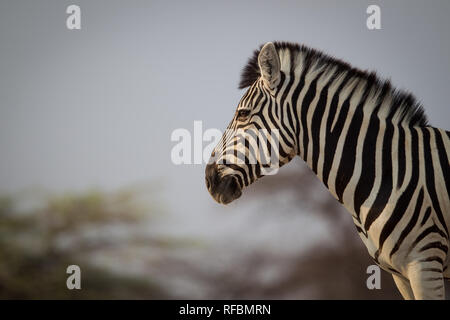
96	107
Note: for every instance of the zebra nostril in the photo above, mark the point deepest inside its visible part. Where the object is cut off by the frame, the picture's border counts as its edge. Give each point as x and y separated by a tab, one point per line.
208	184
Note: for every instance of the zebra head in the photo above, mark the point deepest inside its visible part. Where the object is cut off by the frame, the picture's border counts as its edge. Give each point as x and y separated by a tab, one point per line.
255	142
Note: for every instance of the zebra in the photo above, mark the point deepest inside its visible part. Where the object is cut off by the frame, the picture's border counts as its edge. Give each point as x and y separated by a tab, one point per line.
368	142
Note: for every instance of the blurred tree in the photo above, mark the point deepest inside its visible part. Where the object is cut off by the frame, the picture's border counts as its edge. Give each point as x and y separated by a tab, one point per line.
37	246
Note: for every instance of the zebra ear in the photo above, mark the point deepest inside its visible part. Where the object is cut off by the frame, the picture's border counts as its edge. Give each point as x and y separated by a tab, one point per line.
269	64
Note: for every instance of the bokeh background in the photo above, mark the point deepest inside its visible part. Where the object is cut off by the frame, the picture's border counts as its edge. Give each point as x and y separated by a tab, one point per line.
86	176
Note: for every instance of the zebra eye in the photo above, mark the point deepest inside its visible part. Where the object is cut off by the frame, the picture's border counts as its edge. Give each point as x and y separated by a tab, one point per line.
244	113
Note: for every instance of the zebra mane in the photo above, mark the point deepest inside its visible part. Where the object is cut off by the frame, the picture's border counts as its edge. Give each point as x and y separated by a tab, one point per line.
410	110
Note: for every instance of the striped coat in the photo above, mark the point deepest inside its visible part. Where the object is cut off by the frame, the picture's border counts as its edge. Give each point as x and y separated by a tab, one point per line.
369	143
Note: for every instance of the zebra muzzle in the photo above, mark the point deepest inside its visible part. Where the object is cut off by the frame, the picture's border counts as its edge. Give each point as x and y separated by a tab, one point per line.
223	189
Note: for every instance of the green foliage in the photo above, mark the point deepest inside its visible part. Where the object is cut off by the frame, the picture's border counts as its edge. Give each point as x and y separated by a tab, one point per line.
33	262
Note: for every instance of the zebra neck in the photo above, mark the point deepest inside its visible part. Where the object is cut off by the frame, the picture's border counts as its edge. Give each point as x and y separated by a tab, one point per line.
340	124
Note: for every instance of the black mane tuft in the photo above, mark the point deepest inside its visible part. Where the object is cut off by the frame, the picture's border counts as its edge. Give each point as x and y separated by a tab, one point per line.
411	111
250	73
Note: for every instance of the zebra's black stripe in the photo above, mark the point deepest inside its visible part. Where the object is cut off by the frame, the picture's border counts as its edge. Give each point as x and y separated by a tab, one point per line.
443	159
367	178
410	224
335	133
401	157
348	160
386	180
306	103
330	139
429	177
424	234
426	216
315	124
